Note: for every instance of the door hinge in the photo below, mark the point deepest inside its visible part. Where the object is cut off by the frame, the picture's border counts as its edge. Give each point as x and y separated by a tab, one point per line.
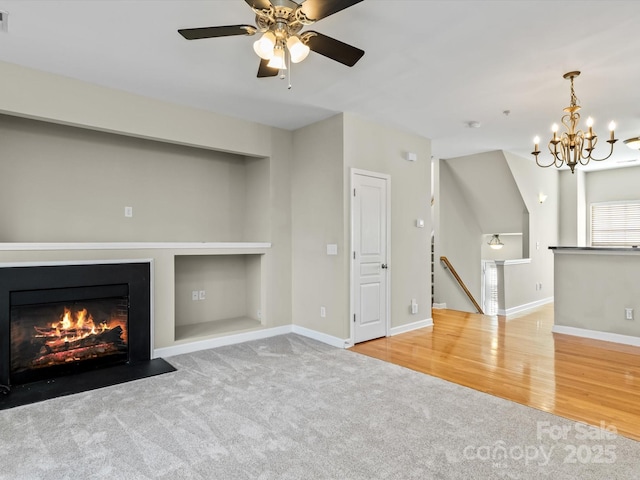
354	255
354	318
354	192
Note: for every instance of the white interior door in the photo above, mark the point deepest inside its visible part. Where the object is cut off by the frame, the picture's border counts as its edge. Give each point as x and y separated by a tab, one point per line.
370	237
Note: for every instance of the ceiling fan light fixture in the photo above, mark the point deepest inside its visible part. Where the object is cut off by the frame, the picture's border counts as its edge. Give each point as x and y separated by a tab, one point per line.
297	49
278	61
279	43
264	47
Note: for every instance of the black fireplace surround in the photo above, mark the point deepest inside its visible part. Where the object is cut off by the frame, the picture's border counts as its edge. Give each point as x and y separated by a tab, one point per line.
51	283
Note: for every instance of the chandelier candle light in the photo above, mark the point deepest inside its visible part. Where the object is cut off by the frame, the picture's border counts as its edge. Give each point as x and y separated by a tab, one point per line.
573	146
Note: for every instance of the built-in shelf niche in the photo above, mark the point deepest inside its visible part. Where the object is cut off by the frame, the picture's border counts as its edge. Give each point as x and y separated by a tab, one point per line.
80	184
232	300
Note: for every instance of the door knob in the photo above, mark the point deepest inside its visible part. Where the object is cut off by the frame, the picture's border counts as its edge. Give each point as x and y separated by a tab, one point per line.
384	265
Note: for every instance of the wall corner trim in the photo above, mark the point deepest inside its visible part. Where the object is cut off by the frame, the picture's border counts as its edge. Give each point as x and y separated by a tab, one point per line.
220	341
322	337
525	307
428	322
597	335
247	337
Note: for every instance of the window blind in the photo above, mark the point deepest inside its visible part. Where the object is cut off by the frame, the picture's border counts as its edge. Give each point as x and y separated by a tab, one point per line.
615	224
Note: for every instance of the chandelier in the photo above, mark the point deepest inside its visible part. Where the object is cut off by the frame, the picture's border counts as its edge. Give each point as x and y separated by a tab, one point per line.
574	146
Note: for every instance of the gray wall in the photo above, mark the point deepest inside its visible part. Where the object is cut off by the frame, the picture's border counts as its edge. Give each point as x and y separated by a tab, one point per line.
608	186
324	154
488	186
35	94
543	231
458	236
459	233
601	285
572	214
65	184
594	289
580	190
316	207
382	149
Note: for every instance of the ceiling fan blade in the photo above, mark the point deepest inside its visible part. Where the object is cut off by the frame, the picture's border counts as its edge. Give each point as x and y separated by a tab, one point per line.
265	71
211	32
318	9
333	49
259	4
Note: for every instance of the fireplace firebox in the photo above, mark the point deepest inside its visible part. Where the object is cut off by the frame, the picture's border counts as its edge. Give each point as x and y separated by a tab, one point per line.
68	328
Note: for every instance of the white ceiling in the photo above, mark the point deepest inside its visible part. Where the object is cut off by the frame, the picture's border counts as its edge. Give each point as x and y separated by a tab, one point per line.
430	67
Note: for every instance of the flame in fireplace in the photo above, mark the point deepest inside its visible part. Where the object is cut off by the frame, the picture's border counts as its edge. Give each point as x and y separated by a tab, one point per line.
75	326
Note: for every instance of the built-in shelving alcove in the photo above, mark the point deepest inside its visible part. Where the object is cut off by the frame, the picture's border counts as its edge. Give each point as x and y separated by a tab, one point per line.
217	294
201	217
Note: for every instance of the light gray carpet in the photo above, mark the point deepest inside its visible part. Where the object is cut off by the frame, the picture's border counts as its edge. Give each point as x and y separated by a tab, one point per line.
292	408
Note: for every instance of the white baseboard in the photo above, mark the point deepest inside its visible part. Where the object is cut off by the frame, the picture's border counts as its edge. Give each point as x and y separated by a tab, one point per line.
525	307
322	337
596	335
411	326
221	341
247	337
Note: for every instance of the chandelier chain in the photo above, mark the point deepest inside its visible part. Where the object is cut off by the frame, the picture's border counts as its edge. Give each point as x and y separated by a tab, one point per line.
574	99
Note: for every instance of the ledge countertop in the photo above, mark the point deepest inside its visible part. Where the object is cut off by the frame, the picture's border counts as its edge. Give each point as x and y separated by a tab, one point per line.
132	245
597	250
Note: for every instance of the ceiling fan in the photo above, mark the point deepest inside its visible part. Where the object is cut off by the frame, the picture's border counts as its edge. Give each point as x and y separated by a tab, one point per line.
280	22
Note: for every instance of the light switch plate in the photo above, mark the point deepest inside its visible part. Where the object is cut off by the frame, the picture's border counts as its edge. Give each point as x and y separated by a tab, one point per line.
332	249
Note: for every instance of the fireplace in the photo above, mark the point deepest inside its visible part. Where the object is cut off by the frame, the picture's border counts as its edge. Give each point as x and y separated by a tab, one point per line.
68	328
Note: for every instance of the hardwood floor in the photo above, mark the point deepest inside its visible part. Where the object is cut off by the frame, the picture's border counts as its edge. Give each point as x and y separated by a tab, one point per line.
522	360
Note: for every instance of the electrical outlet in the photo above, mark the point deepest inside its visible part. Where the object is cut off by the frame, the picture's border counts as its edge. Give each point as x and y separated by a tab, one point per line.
201	295
323	312
259	314
128	212
194	295
628	313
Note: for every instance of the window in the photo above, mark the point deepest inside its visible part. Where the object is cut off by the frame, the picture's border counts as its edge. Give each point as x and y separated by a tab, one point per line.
615	224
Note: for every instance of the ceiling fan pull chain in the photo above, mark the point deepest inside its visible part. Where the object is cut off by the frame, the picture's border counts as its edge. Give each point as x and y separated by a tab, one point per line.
289	68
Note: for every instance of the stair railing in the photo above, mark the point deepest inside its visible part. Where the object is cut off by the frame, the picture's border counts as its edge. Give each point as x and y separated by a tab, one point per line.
448	265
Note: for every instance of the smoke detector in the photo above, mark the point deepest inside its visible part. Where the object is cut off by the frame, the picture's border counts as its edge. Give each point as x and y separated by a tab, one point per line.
4	21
